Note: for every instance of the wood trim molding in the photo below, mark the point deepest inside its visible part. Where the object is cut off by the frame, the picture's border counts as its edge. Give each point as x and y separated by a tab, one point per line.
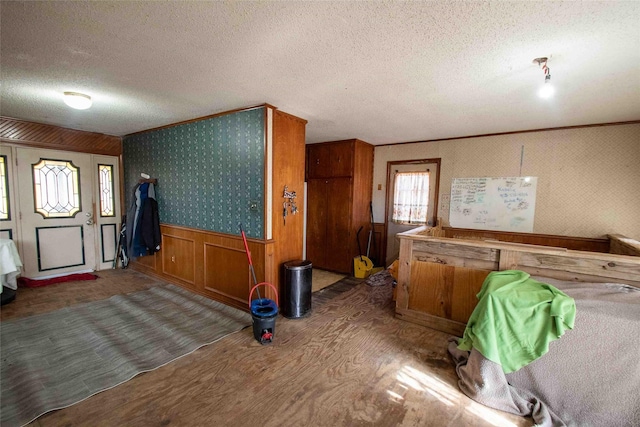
290	116
197	119
632	122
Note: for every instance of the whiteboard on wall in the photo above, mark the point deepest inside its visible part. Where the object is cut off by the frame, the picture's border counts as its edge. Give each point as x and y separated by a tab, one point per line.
505	203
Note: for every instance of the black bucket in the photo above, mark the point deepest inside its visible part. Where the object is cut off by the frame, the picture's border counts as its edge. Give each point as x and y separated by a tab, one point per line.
264	328
263	313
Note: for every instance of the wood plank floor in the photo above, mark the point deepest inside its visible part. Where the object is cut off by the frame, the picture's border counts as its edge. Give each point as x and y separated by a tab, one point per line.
348	363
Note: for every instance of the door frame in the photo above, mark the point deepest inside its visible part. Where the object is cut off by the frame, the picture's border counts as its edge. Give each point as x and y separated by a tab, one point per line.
118	189
390	166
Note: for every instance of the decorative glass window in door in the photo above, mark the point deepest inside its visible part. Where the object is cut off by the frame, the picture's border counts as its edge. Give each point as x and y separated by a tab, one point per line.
107	199
4	190
56	188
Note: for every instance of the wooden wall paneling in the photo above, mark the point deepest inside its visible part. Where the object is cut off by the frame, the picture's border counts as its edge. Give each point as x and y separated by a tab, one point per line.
404	274
226	276
465	285
362	187
451	293
607	266
178	258
434	322
379	249
568	242
440	289
227	272
468	251
509	260
288	170
41	135
434	299
271	267
622	245
149	262
212	264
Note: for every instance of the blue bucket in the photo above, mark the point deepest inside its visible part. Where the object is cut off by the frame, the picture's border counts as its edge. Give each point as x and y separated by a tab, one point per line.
264	312
264	307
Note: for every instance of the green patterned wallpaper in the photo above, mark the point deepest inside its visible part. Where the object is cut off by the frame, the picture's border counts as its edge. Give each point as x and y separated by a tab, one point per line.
209	172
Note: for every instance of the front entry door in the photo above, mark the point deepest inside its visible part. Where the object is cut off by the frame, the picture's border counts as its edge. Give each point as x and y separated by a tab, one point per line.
59	214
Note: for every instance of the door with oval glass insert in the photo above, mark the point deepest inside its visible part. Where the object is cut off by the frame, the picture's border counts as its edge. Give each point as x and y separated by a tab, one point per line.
68	213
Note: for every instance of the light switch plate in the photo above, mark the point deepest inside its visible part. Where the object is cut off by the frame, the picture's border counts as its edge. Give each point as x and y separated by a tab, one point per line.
445	200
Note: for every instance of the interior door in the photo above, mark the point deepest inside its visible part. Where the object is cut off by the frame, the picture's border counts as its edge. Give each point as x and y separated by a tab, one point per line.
57	212
8	222
393	228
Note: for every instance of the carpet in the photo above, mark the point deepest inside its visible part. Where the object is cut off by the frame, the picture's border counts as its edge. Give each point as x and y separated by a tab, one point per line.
53	360
320	279
36	283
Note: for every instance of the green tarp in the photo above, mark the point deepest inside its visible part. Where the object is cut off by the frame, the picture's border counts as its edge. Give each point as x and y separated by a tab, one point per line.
516	318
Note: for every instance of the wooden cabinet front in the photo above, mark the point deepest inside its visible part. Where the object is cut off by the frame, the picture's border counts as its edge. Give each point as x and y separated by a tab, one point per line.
342	159
318	161
316	221
339	182
330	160
328	224
338	233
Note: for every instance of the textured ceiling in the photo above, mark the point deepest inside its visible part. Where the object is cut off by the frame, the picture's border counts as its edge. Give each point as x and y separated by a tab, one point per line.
383	72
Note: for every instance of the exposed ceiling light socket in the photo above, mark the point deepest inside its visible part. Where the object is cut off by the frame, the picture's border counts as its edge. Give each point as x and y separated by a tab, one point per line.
541	60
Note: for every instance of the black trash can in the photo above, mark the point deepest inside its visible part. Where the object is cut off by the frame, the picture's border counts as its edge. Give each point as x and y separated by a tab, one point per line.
296	296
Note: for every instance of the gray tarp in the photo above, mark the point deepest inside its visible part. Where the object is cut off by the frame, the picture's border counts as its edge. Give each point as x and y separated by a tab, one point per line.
589	377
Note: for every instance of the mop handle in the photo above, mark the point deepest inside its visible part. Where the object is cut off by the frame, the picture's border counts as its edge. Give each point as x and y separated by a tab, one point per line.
246	248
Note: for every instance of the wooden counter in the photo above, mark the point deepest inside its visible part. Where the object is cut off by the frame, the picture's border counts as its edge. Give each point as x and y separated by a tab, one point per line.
439	277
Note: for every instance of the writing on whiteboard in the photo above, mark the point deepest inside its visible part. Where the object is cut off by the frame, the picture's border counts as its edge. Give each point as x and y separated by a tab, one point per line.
499	203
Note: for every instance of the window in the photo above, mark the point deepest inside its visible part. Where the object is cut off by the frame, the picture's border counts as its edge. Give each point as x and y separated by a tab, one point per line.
56	188
4	190
107	203
411	197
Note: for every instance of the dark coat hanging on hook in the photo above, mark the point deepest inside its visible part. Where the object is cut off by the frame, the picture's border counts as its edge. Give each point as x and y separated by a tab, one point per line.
143	222
150	236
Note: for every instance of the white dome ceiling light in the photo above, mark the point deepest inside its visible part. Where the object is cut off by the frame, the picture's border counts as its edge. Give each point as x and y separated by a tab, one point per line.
547	90
77	100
